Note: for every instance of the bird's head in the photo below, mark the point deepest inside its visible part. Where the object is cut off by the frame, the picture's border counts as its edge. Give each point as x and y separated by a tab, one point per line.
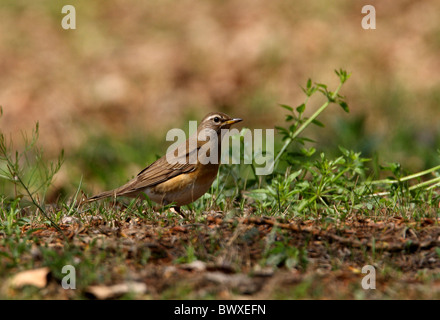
217	121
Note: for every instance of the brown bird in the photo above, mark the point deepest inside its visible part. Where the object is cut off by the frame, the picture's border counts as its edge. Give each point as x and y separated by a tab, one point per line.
187	176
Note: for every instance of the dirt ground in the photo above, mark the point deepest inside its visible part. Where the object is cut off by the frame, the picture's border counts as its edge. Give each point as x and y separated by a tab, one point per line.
133	70
230	257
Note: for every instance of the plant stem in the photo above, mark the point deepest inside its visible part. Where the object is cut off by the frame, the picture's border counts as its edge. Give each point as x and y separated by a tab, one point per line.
409	177
302	127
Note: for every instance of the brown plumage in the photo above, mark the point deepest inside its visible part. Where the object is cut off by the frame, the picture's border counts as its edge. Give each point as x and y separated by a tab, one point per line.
178	183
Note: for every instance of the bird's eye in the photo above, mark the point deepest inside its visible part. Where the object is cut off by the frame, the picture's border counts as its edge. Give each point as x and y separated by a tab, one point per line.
216	119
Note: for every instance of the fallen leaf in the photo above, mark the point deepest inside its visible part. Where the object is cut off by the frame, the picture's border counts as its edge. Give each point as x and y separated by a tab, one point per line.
194	266
354	269
178	229
111	292
240	282
169	271
36	277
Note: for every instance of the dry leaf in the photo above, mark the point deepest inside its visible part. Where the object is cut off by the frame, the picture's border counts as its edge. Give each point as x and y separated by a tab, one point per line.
37	277
239	282
117	290
196	265
354	269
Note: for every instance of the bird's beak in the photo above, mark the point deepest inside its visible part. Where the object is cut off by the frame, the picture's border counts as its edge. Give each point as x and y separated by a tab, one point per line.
232	121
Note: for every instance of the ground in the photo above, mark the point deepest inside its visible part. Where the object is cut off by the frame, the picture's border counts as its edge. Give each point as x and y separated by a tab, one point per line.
108	92
162	256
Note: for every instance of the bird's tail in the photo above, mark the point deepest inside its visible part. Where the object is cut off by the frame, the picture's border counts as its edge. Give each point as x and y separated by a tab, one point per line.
106	194
124	190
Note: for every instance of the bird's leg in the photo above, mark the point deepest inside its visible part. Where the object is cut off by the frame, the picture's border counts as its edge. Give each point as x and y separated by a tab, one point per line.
177	209
174	208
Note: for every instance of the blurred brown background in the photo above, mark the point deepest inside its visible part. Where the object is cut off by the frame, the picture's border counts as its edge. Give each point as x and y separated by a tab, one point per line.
134	69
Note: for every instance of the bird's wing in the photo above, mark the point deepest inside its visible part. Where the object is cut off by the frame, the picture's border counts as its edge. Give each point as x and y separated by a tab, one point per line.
159	171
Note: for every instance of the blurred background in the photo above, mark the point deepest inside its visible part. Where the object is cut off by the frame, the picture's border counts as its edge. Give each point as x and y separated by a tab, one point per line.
108	91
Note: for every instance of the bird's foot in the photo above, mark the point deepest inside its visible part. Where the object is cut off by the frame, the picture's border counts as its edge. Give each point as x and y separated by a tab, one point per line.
178	211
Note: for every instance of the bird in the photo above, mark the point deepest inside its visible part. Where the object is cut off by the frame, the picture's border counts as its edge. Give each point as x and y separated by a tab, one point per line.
186	178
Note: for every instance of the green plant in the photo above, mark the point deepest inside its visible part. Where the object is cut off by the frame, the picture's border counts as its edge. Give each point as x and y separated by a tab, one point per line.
305	181
314	181
27	170
279	253
189	256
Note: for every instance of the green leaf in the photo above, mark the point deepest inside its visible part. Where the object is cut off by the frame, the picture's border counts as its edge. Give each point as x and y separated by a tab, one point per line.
344	151
330	95
282	130
285	106
344	106
309	90
318	123
275	259
343	75
308	152
306	139
291	262
294	175
301	108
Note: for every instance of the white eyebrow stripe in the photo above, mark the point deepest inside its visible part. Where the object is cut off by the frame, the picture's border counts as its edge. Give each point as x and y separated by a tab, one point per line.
213	116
